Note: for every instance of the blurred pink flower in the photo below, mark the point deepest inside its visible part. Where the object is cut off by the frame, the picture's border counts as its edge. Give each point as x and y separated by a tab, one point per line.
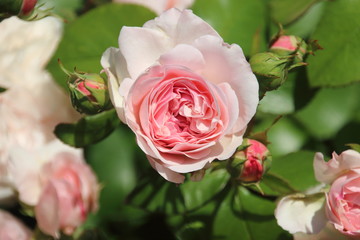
186	94
33	103
70	193
159	6
12	229
318	217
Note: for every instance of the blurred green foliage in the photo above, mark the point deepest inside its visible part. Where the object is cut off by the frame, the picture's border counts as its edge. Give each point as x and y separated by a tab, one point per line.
137	203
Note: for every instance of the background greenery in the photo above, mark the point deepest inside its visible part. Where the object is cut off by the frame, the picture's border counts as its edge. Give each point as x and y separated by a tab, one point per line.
319	105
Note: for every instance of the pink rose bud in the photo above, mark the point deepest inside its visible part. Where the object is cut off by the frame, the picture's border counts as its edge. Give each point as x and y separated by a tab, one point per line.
12	229
16	7
290	45
250	163
70	193
88	91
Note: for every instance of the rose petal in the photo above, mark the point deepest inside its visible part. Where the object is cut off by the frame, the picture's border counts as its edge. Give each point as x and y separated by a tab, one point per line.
327	172
227	63
300	213
165	172
46	211
184	55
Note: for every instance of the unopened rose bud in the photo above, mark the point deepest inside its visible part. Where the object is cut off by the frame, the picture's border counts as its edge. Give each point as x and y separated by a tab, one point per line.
249	163
16	7
88	91
290	45
270	69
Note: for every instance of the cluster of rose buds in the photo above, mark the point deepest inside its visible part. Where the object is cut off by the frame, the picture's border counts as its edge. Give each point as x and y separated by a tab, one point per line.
250	162
285	54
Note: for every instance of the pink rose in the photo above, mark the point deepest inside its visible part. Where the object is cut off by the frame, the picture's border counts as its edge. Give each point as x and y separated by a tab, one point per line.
312	216
69	194
12	229
343	199
186	94
159	6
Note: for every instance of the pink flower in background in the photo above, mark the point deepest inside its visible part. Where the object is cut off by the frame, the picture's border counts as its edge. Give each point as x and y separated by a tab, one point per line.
33	103
312	216
343	199
12	229
70	193
159	6
186	94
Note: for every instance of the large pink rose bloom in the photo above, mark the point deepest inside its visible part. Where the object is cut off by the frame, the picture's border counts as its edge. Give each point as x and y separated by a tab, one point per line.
12	229
343	199
159	6
186	94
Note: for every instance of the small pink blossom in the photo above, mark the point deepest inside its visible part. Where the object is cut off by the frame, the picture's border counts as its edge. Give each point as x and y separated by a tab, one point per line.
186	94
12	229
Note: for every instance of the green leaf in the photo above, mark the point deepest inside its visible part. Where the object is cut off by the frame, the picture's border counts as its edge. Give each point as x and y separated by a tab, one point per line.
243	215
88	130
306	24
338	33
153	193
278	184
286	137
197	193
296	168
286	11
354	146
329	111
114	162
89	36
237	21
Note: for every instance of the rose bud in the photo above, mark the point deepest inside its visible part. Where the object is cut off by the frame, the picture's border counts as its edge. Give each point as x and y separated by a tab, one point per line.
270	69
249	163
290	45
88	91
16	7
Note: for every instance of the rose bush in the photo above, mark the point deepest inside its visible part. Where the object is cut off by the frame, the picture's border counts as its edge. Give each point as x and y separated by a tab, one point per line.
159	6
331	218
186	94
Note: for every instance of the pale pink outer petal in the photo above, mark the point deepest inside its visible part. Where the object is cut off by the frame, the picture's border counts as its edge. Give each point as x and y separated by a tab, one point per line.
327	172
47	211
142	47
184	55
12	229
227	63
115	68
300	213
165	172
327	233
